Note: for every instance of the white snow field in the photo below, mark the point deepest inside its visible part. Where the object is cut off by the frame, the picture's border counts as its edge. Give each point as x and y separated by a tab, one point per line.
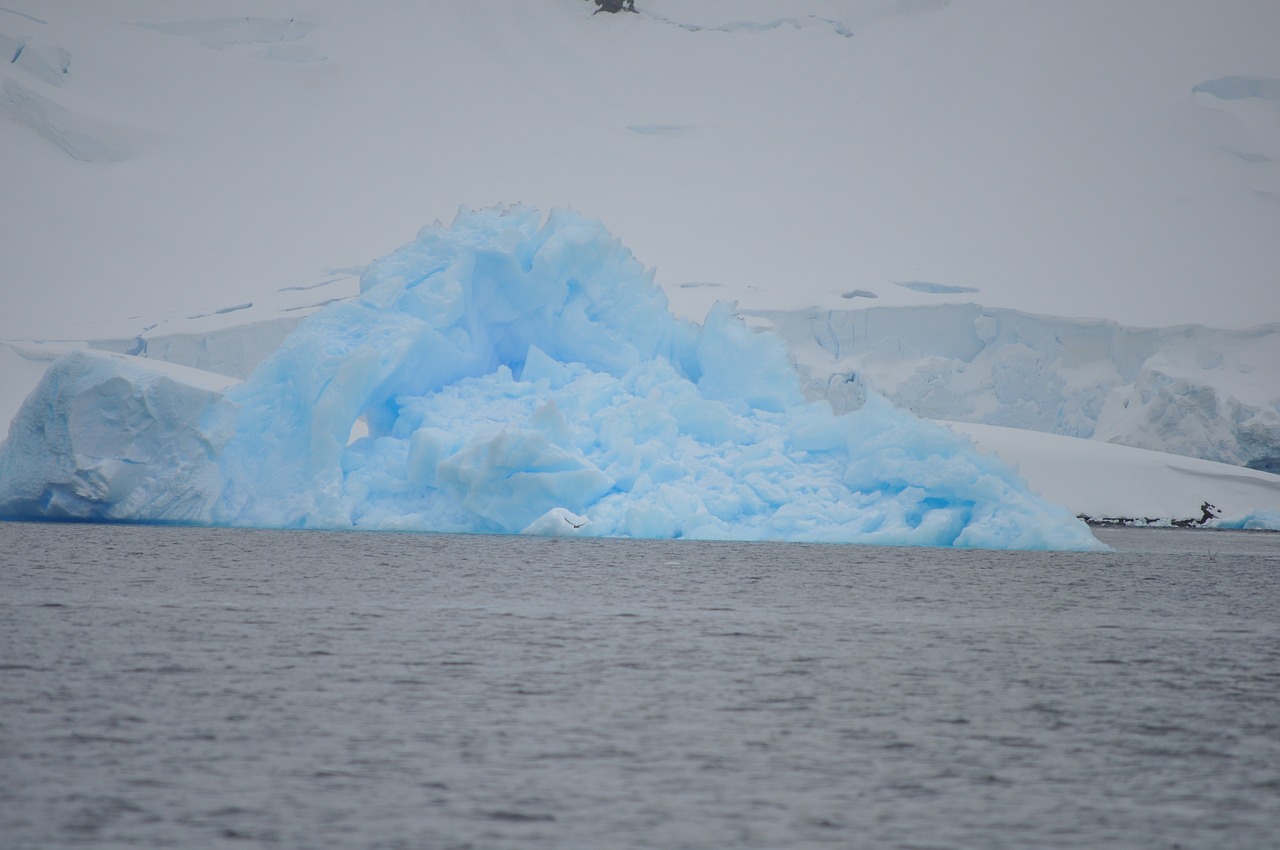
1104	481
912	192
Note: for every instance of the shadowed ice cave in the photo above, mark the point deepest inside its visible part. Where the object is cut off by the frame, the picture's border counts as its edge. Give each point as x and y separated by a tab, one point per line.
511	374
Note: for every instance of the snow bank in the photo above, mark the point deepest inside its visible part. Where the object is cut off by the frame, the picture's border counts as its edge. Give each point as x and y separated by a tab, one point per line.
512	375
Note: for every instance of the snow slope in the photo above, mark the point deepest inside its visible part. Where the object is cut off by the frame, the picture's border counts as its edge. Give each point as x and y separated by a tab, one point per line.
1116	160
1103	480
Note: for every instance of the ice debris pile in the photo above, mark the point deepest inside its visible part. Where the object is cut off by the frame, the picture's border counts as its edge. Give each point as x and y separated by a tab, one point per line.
509	374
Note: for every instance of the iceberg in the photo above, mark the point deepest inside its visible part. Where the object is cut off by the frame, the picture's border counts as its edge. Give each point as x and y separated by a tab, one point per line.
109	437
513	374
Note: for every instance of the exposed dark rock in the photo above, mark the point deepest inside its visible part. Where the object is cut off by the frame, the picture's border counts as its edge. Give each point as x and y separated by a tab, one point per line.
614	6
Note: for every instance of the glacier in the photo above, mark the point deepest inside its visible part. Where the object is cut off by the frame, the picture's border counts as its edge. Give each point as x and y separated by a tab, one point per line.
511	374
1190	390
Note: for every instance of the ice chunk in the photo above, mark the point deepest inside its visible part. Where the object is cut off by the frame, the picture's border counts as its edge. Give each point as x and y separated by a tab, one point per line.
558	522
1256	521
516	476
112	437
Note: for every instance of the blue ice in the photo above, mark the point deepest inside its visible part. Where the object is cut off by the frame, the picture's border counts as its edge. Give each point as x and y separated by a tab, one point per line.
511	374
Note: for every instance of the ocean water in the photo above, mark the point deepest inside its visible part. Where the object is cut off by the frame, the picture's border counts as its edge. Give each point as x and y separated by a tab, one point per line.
184	687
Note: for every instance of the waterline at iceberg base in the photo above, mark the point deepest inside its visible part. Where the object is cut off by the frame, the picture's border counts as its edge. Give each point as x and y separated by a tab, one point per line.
510	374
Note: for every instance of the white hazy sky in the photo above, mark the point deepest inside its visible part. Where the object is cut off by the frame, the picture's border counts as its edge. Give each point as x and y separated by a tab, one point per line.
1052	156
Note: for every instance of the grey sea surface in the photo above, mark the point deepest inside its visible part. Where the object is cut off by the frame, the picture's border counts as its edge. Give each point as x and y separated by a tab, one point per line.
188	687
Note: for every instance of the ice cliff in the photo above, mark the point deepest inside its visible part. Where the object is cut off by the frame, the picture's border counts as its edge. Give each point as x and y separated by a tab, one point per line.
510	375
1190	390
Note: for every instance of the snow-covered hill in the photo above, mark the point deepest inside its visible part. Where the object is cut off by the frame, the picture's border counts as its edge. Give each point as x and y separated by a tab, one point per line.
1097	159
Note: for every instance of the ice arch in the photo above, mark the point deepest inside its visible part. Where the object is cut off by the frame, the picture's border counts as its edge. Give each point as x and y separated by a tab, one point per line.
520	374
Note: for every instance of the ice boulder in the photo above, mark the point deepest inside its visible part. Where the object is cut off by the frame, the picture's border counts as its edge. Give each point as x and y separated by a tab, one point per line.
511	374
112	437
